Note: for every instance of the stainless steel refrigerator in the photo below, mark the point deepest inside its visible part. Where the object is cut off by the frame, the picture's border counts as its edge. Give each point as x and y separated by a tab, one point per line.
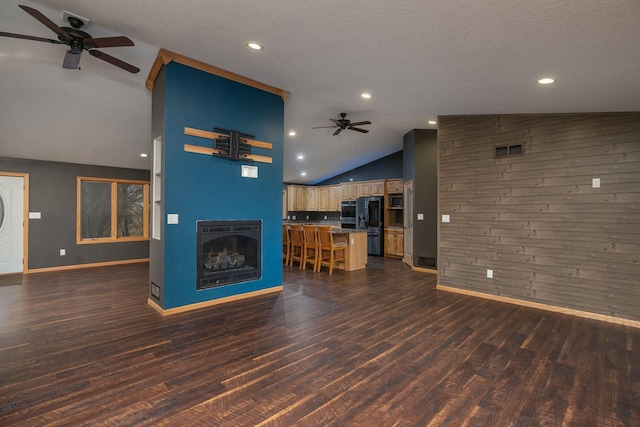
369	214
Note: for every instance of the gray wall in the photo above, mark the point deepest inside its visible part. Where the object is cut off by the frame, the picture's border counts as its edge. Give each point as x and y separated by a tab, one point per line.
385	168
52	191
421	166
535	219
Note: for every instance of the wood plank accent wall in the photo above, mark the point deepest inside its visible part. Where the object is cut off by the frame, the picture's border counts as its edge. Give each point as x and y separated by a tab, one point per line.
535	219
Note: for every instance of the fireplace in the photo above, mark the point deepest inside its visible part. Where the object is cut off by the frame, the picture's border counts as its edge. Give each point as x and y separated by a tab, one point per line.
228	252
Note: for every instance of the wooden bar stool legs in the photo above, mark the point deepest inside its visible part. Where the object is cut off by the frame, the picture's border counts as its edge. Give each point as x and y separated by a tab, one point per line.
297	245
286	243
311	246
330	251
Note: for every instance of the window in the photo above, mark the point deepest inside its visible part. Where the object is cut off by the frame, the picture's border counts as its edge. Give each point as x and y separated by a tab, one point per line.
112	210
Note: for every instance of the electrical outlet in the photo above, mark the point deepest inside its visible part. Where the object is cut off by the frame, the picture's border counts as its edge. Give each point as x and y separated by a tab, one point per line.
63	252
489	274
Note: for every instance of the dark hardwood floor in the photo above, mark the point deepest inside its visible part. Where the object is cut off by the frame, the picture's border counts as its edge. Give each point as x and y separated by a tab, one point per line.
378	347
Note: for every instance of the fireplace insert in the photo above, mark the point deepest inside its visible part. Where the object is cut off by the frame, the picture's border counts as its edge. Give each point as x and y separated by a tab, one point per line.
228	252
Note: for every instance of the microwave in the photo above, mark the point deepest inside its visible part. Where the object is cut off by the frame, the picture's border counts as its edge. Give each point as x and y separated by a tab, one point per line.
396	201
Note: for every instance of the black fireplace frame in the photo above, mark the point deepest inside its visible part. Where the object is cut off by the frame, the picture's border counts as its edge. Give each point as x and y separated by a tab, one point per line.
228	229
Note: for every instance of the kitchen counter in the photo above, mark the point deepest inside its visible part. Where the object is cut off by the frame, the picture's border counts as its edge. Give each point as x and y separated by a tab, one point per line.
356	241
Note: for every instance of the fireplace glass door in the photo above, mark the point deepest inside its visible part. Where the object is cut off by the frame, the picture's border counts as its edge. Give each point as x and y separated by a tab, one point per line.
228	252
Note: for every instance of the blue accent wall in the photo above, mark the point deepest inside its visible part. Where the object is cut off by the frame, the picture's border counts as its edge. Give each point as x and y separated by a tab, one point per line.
201	187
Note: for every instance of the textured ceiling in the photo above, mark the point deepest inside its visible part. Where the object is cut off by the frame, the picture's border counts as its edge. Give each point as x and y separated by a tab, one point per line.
418	59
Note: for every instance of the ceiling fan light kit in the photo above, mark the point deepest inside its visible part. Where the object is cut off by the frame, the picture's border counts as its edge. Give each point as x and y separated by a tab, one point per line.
77	40
343	123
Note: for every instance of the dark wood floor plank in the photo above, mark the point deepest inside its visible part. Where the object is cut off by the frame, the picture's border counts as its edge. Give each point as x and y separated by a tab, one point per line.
378	346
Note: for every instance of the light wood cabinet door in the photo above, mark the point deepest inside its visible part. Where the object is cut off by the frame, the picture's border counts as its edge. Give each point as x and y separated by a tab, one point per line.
323	199
377	188
395	186
297	196
335	197
312	198
394	242
370	188
349	191
292	198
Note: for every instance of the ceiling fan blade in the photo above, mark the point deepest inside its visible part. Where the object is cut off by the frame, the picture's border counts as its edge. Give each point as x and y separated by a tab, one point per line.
107	42
366	122
358	129
46	21
114	61
337	122
322	127
337	131
22	36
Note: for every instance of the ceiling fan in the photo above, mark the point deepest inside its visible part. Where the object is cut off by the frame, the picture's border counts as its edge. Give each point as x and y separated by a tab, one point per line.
344	123
77	40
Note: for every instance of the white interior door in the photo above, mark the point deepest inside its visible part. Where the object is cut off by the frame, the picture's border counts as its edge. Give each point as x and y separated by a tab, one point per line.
11	224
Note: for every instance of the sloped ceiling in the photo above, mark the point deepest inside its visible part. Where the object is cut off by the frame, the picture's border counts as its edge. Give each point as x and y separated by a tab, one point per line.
418	59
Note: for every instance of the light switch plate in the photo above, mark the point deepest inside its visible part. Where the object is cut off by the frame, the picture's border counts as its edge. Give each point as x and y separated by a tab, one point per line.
490	274
35	215
172	218
446	218
595	183
420	217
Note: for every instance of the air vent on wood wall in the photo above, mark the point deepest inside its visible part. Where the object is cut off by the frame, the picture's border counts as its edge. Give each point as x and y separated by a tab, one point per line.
509	150
426	262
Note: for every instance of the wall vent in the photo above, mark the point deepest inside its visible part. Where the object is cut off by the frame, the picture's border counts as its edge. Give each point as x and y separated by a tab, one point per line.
426	262
155	291
509	150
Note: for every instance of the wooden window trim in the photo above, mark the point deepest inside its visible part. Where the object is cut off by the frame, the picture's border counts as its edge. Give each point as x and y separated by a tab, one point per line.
114	211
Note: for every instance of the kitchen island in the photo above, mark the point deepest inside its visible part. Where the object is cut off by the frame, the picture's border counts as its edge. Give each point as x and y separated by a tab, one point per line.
357	247
356	241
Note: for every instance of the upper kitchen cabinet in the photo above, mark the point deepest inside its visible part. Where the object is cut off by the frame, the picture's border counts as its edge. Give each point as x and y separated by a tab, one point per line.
349	191
329	198
395	186
370	188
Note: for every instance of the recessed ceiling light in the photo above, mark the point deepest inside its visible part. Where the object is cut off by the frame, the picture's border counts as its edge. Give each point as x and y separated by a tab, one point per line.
254	46
292	133
432	122
300	157
303	173
144	155
366	95
546	81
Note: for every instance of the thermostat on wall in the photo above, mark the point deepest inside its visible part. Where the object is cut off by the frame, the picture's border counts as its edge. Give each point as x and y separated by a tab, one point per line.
249	171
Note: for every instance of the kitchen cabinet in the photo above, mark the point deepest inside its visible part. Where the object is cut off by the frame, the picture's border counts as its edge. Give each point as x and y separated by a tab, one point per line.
335	198
349	191
370	188
323	199
301	198
312	198
394	242
297	198
395	186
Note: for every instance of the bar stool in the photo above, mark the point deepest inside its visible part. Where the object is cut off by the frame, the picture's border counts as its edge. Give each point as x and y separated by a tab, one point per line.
297	245
311	246
330	251
286	243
